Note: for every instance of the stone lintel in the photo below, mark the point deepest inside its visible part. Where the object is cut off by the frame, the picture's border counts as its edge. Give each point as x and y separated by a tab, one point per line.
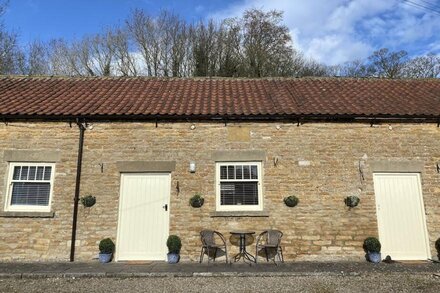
238	155
396	166
146	166
32	155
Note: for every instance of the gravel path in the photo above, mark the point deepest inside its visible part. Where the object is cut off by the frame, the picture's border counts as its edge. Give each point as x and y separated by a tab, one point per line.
363	283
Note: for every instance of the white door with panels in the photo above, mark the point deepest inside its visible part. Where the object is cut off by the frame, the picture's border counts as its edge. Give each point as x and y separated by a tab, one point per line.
401	216
143	225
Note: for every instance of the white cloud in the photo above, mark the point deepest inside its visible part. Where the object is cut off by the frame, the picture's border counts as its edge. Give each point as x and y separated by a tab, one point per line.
335	31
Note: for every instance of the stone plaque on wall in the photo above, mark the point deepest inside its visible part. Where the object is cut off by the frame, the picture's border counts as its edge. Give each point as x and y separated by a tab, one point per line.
239	133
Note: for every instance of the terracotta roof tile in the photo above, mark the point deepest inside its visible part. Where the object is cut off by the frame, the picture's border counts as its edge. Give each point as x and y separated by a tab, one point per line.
46	96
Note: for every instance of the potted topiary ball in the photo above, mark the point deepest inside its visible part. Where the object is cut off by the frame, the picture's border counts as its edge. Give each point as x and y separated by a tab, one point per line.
174	245
106	249
372	248
352	201
291	201
196	201
437	247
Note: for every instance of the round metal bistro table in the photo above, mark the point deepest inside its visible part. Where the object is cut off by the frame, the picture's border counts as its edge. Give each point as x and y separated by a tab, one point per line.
243	254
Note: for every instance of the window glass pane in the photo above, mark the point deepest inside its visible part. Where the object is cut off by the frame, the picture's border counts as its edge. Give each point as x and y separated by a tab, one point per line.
30	193
231	173
246	172
47	171
40	173
239	193
16	174
223	172
254	173
24	173
32	171
238	172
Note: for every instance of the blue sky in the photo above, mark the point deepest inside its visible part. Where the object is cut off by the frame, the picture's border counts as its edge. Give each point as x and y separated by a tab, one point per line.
331	31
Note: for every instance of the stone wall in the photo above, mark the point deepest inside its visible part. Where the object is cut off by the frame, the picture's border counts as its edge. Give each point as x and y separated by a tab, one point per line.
317	162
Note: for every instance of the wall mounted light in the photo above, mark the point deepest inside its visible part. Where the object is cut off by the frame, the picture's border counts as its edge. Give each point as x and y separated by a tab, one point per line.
192	167
192	127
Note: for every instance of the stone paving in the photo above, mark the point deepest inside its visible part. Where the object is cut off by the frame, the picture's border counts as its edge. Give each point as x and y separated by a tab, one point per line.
188	269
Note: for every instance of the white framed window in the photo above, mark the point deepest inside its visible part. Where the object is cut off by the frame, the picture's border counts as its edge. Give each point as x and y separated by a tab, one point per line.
30	187
239	186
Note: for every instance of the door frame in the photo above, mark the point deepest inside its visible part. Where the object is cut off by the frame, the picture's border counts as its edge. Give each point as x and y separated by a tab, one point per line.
422	207
167	229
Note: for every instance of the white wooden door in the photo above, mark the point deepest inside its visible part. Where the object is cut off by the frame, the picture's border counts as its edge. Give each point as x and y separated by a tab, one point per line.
143	225
401	216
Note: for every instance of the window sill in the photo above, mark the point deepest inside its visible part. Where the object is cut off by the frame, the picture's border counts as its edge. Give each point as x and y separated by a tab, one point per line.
240	214
11	214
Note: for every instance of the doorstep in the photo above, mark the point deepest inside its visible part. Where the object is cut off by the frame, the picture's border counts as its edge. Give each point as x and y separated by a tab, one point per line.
193	269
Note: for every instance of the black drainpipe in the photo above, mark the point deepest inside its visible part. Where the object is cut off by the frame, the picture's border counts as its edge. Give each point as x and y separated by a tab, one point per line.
82	128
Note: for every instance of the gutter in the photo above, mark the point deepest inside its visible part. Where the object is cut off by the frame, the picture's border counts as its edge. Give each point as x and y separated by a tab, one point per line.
82	128
236	118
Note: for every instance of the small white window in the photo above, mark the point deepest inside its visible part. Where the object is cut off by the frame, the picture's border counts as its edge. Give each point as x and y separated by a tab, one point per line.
239	186
30	187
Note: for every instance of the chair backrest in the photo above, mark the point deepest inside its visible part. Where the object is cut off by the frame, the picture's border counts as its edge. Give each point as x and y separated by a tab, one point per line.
207	237
274	237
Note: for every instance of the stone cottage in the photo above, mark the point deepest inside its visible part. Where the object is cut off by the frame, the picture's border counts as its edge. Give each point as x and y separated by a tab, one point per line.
144	146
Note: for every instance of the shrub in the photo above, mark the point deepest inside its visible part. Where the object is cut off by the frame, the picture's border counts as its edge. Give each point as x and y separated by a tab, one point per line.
106	246
372	244
88	200
291	201
174	244
196	201
437	246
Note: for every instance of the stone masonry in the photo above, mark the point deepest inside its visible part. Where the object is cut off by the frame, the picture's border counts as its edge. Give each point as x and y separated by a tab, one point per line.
316	161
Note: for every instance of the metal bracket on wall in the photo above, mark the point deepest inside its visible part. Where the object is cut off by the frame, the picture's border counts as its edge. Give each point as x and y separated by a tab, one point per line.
361	171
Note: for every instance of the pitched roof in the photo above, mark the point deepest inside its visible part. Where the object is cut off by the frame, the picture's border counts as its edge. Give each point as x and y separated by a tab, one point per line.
148	97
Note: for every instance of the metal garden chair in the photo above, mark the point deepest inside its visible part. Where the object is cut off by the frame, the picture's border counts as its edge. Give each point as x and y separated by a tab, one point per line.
268	245
213	245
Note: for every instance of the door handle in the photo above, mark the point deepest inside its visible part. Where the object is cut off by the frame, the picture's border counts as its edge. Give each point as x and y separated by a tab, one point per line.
165	207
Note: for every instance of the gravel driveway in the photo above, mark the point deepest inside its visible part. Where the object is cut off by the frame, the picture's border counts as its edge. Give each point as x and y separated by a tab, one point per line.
363	283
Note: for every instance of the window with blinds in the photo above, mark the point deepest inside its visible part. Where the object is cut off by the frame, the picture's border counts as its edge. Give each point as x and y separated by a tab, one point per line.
30	186
239	186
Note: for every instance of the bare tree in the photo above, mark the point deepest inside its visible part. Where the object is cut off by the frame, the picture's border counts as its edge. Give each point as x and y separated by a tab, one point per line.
37	59
229	51
103	53
11	56
388	64
126	63
161	40
267	43
204	44
61	60
423	67
357	68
